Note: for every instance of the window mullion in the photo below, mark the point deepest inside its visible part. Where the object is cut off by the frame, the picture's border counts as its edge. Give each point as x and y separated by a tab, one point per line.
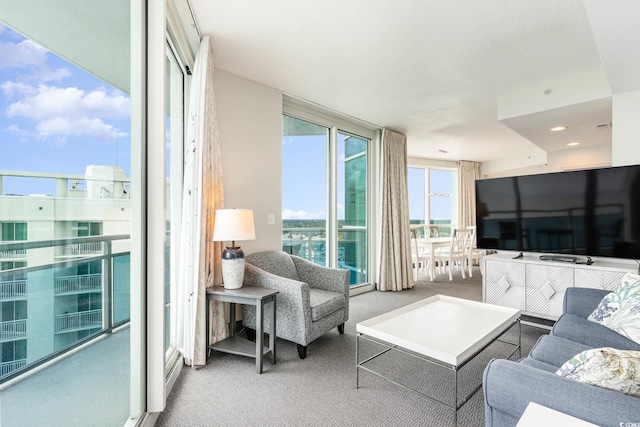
332	202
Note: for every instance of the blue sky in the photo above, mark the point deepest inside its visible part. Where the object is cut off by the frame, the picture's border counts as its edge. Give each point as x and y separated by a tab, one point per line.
55	117
304	177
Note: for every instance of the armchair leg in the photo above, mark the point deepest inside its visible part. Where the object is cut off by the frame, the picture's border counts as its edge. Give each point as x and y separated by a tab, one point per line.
302	351
341	328
251	334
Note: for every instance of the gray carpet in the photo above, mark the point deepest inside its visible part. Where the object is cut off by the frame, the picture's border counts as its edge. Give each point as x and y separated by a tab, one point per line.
321	390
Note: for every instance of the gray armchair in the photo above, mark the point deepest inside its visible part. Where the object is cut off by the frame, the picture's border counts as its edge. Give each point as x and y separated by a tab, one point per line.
312	299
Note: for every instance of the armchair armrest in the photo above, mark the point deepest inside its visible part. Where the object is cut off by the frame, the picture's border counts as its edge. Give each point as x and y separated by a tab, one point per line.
509	387
293	296
321	277
582	301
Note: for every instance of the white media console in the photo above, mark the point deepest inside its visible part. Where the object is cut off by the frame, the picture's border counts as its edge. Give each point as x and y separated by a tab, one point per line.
537	287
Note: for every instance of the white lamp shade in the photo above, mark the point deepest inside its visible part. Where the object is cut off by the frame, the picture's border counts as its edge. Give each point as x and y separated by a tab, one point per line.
233	224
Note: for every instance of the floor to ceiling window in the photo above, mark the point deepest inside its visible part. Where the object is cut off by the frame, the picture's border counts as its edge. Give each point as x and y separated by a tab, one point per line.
67	193
173	191
433	197
326	203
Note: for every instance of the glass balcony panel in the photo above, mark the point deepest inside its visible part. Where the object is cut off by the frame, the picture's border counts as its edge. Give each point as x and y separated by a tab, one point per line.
352	206
304	189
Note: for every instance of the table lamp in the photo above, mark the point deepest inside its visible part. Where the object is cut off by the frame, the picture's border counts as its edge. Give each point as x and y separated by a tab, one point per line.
233	225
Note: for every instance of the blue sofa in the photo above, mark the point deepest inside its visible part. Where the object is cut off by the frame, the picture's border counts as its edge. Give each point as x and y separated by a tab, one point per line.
509	386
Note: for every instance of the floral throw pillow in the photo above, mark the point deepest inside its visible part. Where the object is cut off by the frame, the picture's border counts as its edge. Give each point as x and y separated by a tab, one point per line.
607	368
620	309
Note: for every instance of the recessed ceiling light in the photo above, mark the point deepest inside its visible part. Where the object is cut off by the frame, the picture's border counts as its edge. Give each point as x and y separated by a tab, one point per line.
573	144
557	128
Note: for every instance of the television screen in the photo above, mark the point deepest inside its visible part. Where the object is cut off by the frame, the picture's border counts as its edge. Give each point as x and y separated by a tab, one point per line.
593	212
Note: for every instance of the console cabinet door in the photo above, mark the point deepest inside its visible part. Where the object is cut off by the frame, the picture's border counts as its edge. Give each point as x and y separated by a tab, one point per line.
504	283
598	279
546	285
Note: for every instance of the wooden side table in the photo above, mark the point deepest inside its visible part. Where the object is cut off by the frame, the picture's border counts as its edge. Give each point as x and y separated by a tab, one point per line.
252	295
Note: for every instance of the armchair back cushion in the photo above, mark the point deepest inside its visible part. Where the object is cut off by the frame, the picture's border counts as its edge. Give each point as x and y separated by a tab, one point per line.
275	262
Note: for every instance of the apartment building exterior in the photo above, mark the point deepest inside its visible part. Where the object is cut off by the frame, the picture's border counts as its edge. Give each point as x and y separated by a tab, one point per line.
64	263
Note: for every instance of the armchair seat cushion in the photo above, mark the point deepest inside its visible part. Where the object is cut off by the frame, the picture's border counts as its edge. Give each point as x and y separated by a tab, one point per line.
324	303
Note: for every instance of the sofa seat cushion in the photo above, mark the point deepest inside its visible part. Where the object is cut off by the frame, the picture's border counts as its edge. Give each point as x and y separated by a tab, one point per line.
324	303
579	329
607	368
555	351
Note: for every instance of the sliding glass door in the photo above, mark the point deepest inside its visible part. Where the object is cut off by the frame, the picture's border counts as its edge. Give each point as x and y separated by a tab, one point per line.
325	207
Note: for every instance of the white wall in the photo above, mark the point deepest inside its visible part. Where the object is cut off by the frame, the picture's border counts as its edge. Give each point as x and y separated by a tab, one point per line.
626	128
556	161
250	125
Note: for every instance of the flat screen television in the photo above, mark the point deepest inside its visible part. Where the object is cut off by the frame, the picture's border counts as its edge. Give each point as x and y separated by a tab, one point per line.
594	212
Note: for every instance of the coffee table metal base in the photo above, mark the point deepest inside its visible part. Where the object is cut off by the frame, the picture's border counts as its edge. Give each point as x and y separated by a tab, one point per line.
457	404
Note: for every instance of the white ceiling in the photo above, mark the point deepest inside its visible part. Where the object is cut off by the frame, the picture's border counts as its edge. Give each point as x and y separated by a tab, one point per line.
430	69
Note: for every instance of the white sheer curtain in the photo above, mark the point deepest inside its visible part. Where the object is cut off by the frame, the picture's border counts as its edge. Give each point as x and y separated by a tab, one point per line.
468	173
200	257
395	256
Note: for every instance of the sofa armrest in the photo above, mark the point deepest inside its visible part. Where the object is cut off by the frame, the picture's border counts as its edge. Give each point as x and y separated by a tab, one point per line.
509	387
582	301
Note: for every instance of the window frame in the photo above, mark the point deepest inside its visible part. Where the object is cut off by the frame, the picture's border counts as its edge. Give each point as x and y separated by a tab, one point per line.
337	123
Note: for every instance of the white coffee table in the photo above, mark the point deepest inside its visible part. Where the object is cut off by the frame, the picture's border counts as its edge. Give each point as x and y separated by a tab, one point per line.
442	330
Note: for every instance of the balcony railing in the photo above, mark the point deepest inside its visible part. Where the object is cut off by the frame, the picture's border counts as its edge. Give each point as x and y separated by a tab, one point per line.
13	329
77	284
13	289
78	321
7	367
44	286
13	254
311	243
79	249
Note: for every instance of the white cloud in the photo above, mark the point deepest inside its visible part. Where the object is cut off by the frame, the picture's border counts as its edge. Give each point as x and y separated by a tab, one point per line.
23	54
301	214
66	111
62	127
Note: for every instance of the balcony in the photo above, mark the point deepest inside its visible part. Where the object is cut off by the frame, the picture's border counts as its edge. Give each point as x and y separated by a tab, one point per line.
79	249
48	340
79	321
12	289
13	329
13	254
78	284
311	243
7	367
67	368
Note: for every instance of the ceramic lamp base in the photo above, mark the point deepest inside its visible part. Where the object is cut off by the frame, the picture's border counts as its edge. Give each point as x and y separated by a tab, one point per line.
232	267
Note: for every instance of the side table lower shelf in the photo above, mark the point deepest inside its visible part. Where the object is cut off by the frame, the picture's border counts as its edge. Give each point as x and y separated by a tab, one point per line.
251	295
240	346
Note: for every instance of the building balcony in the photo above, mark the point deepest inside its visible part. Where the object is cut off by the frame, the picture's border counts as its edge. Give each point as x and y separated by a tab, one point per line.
13	289
78	284
79	321
13	329
79	249
7	367
13	254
